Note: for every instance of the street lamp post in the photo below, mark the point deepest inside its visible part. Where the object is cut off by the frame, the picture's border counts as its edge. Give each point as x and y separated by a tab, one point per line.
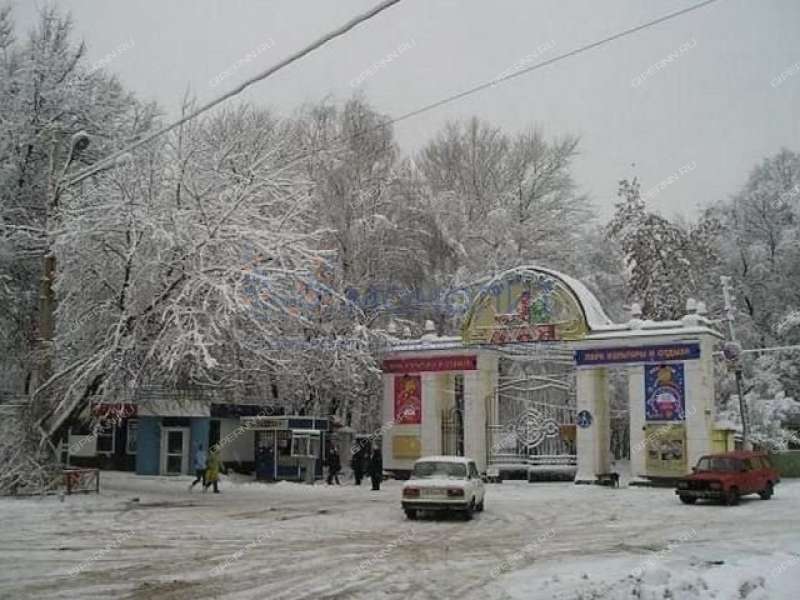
45	323
732	351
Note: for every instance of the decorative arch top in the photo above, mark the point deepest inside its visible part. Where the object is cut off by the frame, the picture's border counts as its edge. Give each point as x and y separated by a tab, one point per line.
531	304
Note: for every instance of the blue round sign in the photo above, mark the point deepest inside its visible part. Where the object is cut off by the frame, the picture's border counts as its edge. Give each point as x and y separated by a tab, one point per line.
584	419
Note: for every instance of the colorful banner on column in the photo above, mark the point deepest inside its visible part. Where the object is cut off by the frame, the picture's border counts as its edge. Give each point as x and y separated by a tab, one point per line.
408	400
665	393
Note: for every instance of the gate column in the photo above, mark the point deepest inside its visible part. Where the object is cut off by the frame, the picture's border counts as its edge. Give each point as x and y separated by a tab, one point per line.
637	422
593	440
479	386
700	403
431	414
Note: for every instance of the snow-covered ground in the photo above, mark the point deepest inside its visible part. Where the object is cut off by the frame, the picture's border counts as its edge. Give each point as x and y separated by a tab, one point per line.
148	537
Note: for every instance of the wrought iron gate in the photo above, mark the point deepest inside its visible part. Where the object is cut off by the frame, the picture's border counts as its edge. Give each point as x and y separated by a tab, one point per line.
532	416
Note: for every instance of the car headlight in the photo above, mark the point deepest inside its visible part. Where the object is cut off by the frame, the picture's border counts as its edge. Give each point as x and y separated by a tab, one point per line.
683	485
411	492
455	492
715	485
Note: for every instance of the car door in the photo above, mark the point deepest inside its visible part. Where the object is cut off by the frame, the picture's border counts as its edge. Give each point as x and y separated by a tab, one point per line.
769	470
750	476
761	473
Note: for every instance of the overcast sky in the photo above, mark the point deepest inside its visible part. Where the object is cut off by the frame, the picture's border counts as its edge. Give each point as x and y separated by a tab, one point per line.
707	117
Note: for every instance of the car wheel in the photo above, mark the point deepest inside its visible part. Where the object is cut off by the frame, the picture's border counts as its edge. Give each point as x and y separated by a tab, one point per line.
470	509
768	491
411	513
732	497
688	499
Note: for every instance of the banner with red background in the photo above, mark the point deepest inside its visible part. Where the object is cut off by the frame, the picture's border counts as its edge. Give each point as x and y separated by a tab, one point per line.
408	400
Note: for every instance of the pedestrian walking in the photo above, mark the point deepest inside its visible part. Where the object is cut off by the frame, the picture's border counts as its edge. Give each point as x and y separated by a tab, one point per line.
334	466
376	468
213	469
199	465
359	461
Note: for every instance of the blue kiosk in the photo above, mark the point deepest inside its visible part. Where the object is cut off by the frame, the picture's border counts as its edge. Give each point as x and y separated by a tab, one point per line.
288	447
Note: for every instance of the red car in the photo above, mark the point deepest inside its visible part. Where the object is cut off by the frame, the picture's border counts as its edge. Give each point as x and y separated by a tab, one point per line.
727	477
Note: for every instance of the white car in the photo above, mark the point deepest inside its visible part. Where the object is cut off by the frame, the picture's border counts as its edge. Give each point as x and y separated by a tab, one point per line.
442	483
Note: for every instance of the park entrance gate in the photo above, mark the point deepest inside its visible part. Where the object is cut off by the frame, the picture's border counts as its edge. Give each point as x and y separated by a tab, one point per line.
529	385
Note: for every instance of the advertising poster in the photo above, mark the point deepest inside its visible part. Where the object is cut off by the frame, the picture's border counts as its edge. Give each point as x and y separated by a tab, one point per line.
664	393
406	446
408	400
666	450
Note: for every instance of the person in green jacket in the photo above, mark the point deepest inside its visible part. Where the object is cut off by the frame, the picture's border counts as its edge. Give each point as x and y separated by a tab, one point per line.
214	466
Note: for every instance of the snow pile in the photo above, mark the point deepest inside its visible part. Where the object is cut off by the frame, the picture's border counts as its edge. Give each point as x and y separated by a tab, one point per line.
693	578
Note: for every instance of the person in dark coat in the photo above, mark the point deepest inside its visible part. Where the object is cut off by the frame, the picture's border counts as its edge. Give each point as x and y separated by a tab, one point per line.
376	468
359	461
334	466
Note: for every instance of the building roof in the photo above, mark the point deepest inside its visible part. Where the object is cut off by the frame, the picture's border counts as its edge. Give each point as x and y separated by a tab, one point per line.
601	328
596	317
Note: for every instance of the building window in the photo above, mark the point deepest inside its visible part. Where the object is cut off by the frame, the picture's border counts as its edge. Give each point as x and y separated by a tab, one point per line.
105	438
305	445
130	440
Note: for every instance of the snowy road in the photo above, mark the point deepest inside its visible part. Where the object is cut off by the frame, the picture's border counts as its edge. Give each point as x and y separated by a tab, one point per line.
534	541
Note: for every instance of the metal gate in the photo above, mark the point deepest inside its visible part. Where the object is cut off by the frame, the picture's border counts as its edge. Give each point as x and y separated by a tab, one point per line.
532	415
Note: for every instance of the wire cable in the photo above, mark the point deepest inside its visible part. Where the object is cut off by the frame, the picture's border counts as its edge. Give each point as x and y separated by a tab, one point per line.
550	61
110	159
104	163
496	81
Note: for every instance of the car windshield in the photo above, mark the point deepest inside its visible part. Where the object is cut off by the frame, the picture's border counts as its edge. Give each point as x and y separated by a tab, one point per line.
428	470
711	463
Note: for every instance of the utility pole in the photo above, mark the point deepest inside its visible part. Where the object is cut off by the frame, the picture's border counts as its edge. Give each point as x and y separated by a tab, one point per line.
732	351
45	318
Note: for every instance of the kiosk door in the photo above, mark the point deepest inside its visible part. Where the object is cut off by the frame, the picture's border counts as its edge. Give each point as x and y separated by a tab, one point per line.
265	455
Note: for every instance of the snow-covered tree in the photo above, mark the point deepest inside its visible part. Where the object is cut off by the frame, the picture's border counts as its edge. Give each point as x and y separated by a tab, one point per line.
48	95
760	249
762	246
158	257
666	263
769	408
507	200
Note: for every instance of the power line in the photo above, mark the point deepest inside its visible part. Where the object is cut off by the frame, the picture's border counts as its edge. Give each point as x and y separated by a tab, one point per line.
555	59
109	160
624	33
493	82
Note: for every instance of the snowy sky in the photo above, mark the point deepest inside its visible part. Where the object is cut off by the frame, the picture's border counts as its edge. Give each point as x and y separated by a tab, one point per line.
693	128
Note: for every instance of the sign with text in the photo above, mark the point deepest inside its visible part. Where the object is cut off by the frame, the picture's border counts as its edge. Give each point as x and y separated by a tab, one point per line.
638	354
433	363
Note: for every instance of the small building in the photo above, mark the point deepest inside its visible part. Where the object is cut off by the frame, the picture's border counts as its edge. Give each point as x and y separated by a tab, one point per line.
170	431
158	436
290	447
105	439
